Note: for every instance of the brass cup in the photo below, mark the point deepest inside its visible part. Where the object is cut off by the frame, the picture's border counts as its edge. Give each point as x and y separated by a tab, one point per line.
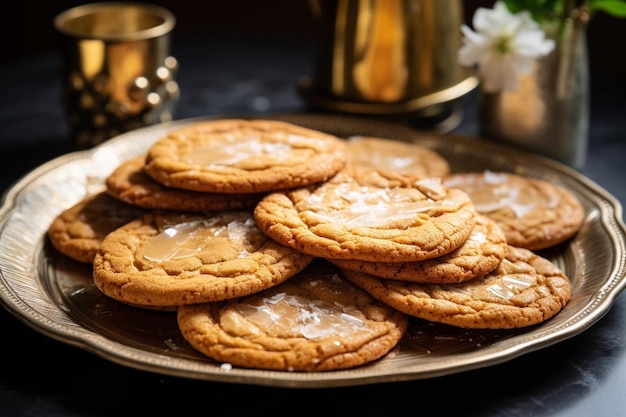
116	71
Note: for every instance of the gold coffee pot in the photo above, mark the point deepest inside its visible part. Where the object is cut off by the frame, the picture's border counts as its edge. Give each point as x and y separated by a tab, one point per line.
388	57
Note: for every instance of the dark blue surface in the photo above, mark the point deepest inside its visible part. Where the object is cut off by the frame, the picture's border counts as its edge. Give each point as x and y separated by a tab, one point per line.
580	377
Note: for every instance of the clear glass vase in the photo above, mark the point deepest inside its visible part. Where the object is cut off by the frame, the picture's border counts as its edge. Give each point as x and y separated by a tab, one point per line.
548	113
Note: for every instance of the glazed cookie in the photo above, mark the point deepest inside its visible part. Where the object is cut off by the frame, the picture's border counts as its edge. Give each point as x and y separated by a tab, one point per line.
172	259
244	156
370	216
525	289
379	153
533	213
78	231
480	254
315	321
129	183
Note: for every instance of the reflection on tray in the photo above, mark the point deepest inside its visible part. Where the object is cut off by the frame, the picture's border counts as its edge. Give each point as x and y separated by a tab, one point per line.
439	339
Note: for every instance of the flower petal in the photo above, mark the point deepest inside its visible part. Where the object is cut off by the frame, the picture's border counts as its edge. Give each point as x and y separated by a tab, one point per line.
503	45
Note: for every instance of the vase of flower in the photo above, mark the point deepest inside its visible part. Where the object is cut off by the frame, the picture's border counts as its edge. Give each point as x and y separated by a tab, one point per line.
531	60
548	111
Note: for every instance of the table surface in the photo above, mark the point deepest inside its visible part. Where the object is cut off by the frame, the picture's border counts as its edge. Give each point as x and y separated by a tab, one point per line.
581	376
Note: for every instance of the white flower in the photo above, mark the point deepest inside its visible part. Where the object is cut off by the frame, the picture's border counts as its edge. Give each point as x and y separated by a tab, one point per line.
503	46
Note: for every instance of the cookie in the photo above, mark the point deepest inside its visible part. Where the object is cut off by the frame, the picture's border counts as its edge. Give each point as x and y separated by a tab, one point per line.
129	183
370	216
171	259
315	321
525	289
78	231
244	156
534	214
394	155
480	254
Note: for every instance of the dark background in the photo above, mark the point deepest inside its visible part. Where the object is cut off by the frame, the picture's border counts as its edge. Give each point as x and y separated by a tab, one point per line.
39	376
28	28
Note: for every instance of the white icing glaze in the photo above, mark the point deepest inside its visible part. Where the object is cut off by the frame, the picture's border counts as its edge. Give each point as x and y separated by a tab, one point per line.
511	285
494	191
513	282
432	186
368	206
188	238
478	237
295	315
386	157
221	154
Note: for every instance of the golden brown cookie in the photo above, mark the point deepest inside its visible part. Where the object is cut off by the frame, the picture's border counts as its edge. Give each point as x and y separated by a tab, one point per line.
534	214
129	183
78	231
315	321
525	289
244	156
172	259
370	216
480	254
404	157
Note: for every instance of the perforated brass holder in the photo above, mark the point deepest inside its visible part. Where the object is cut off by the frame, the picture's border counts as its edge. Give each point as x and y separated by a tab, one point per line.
117	74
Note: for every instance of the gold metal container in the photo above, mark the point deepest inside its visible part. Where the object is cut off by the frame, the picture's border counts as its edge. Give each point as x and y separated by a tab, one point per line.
388	57
548	113
117	74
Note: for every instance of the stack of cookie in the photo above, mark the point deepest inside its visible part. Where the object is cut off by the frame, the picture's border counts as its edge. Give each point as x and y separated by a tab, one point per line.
285	248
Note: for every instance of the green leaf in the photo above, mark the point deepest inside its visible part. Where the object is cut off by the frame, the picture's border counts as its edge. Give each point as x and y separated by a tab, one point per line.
616	8
540	10
546	10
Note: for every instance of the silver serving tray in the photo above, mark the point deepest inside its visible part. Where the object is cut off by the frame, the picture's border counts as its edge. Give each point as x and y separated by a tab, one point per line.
56	296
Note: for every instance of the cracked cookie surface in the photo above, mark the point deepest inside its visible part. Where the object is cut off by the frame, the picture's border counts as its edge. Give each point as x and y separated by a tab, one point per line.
369	215
130	183
397	156
534	214
244	156
315	321
172	259
78	231
525	289
480	254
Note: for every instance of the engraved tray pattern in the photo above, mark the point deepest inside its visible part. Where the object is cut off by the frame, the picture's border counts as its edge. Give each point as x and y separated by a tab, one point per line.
55	295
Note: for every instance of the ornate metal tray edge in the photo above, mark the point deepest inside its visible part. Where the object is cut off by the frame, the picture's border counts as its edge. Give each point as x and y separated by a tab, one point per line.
27	274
